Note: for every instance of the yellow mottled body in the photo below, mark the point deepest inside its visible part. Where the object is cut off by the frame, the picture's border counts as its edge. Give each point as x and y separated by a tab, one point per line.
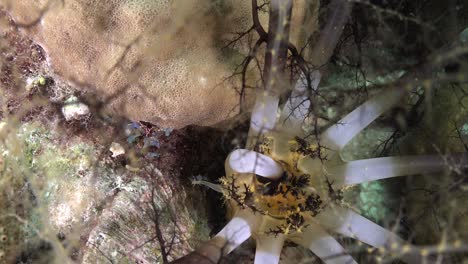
286	203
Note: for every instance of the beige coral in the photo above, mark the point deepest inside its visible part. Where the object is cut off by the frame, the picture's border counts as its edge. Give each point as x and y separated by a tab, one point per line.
156	61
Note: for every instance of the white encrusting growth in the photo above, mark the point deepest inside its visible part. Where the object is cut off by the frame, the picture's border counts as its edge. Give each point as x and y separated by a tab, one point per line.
360	171
268	249
248	161
338	135
324	245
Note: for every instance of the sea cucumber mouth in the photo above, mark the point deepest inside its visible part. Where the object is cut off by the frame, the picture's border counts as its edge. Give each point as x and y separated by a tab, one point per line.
289	201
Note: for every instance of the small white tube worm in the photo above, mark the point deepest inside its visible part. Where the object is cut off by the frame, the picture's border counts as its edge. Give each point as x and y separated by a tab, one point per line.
238	230
348	223
268	249
263	117
360	171
324	245
338	135
297	106
213	186
248	161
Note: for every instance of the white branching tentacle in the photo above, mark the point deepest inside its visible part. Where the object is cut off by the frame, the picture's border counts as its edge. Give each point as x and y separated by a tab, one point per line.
348	223
297	106
360	171
248	161
338	135
263	117
331	33
268	249
324	245
238	230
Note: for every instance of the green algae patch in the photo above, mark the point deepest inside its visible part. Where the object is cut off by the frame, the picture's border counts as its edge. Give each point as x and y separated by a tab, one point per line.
42	188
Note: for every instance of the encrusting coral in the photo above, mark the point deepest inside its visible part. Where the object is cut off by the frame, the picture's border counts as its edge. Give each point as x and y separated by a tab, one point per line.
297	194
156	61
